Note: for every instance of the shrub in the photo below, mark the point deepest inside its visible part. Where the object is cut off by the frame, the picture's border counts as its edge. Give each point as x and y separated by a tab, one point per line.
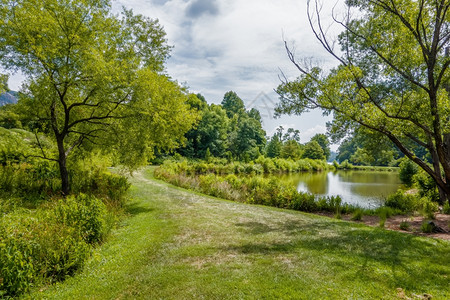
357	215
446	208
336	165
403	202
428	207
91	176
35	246
84	213
407	171
404	225
426	227
426	185
304	202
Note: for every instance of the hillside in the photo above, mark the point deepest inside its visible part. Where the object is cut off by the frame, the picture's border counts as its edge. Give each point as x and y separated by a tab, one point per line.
9	97
181	245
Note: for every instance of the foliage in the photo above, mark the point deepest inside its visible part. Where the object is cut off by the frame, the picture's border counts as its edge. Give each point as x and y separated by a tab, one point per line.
446	209
426	227
324	143
9	118
227	130
262	165
49	243
357	215
404	225
313	150
254	190
377	85
291	150
84	213
363	147
404	202
93	79
274	147
407	171
232	104
426	185
24	174
282	250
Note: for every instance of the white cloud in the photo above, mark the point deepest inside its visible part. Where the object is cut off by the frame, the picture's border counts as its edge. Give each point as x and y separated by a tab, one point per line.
237	45
308	134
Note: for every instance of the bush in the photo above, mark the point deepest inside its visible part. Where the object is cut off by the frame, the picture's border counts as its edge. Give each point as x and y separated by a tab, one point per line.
403	202
426	227
426	185
32	180
34	246
446	208
357	215
91	176
428	207
407	171
84	213
404	225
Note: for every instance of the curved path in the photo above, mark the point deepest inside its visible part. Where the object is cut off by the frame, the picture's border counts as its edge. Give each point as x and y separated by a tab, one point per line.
181	245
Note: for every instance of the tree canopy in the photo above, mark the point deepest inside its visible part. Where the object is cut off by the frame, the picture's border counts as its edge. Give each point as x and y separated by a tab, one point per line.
227	130
392	77
93	78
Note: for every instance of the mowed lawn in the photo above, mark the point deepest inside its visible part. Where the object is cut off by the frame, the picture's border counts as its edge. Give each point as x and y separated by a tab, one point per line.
181	245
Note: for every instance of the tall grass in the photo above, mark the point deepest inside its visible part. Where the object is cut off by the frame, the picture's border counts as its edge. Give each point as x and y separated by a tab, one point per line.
251	189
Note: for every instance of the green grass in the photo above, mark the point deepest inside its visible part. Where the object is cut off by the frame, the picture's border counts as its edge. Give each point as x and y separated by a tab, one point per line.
181	245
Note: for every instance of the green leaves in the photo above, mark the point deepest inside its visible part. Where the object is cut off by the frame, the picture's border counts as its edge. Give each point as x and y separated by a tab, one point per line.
93	78
392	78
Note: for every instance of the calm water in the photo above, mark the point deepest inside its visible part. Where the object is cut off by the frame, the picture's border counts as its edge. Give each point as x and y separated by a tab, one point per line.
366	189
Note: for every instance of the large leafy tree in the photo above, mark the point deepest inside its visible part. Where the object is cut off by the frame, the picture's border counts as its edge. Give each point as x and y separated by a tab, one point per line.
324	143
92	78
392	77
232	104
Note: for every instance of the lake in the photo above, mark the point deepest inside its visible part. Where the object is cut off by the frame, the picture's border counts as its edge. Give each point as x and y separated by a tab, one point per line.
363	188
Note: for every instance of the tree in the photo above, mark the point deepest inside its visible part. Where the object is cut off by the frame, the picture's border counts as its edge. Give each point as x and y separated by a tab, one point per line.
212	132
232	104
392	77
274	146
92	78
313	151
324	143
3	83
377	149
249	139
291	149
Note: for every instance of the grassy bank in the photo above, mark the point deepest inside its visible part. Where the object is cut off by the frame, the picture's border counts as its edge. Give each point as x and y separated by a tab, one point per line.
181	245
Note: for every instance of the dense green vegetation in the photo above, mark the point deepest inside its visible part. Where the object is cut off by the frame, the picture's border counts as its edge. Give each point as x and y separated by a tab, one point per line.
253	189
181	245
227	130
96	95
240	182
94	80
402	96
44	237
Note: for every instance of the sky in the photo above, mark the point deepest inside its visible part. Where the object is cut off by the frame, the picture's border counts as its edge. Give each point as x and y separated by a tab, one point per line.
237	45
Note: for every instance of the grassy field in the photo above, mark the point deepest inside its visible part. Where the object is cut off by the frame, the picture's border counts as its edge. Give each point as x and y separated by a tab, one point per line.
180	245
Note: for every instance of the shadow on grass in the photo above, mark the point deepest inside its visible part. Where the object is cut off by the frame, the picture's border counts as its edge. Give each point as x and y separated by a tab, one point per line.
360	252
137	208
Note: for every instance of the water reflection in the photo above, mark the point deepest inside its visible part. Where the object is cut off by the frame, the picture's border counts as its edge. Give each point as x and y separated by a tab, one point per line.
366	189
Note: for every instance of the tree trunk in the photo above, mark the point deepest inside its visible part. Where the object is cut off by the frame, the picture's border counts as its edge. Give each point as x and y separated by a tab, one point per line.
64	174
446	197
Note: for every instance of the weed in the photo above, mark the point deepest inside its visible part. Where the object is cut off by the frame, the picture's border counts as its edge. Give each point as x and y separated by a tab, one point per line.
357	215
426	227
446	208
404	225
